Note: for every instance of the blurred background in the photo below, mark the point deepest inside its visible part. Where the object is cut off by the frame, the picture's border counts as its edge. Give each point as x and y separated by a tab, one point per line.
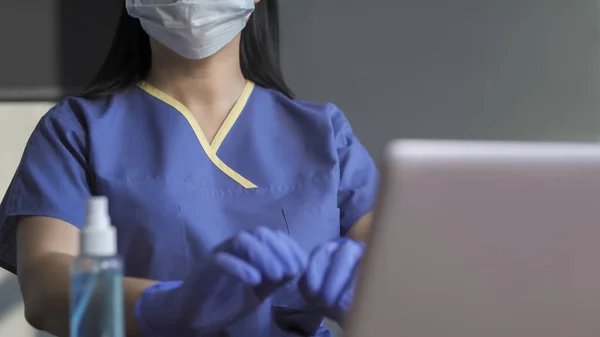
461	69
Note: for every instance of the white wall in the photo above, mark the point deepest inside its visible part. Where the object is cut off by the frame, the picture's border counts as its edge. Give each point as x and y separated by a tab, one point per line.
17	120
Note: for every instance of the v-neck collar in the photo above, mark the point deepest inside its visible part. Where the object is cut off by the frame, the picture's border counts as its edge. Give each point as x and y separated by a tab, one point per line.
210	148
225	127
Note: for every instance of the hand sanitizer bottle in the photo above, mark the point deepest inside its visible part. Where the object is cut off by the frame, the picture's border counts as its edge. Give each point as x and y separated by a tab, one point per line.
97	278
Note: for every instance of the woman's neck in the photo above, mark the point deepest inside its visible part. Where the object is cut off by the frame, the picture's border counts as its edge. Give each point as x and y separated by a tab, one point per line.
207	84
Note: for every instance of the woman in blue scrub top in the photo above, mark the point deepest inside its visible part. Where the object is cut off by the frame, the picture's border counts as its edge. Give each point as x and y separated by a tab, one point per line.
210	165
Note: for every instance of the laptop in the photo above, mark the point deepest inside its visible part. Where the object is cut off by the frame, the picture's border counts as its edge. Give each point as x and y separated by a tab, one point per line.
483	239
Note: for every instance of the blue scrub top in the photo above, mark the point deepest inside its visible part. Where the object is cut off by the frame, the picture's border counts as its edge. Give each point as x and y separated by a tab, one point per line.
289	165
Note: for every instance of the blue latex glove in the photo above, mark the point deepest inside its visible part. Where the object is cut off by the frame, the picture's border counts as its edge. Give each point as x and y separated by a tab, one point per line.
330	277
232	282
293	315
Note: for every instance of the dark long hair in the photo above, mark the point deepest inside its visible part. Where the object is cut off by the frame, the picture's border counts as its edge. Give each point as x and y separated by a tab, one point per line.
129	59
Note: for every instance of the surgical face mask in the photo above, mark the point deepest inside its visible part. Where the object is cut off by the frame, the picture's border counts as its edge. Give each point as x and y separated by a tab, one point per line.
194	29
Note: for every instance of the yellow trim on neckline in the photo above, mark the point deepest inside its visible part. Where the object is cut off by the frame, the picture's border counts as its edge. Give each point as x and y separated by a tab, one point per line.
232	117
209	148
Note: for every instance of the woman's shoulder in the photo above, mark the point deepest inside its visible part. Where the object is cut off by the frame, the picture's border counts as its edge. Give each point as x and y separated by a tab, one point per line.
319	112
79	112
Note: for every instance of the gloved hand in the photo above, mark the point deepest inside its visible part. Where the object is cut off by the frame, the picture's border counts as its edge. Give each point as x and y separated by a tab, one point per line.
330	277
230	283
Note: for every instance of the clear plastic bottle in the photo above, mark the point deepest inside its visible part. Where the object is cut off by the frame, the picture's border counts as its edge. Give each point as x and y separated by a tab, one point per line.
97	278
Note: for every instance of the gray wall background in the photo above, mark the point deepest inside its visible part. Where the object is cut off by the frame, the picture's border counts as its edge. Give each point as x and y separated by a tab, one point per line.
51	48
489	69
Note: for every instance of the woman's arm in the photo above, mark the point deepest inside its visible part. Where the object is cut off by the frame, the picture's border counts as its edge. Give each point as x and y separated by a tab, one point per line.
45	249
362	228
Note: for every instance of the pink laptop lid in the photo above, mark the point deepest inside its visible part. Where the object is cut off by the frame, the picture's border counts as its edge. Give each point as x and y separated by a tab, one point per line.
483	240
